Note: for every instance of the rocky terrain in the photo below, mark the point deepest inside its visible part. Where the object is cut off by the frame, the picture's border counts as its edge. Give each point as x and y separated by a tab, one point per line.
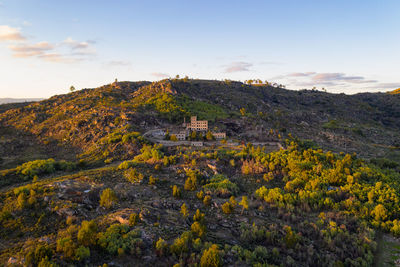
81	186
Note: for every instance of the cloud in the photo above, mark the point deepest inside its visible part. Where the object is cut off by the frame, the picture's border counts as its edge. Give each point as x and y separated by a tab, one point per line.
30	50
160	75
300	74
75	44
238	66
56	57
118	63
327	77
8	33
43	50
80	48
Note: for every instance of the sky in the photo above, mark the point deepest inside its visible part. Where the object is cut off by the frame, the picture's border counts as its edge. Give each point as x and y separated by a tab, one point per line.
344	46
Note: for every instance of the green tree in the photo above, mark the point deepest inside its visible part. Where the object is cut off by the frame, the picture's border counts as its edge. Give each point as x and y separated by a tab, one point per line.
243	111
72	88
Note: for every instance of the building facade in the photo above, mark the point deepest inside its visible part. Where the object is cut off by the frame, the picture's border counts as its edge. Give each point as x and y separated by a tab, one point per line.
219	135
196	125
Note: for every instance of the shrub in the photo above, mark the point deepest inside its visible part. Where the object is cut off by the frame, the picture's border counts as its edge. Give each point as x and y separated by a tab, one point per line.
117	239
181	244
200	195
37	252
126	165
45	262
244	203
207	200
198	229
211	257
133	175
227	208
233	201
21	200
198	216
108	198
87	233
184	210
152	180
221	185
176	192
67	246
82	253
161	247
133	219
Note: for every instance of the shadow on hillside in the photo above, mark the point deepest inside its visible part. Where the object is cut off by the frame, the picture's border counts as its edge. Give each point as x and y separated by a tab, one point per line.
17	147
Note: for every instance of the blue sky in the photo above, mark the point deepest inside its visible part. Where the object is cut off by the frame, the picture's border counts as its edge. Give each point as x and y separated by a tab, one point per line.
344	46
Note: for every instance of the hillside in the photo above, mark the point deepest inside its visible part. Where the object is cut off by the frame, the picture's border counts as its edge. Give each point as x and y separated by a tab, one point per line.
367	124
81	185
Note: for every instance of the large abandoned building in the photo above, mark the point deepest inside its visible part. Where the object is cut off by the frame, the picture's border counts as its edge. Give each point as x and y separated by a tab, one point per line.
196	125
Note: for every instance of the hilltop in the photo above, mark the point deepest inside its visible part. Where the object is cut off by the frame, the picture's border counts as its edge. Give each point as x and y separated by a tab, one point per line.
367	123
82	184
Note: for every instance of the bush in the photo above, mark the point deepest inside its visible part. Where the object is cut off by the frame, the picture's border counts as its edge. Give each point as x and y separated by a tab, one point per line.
87	233
184	210
207	200
82	253
152	180
133	175
133	219
227	208
181	244
200	195
198	229
211	257
161	247
45	262
198	216
221	185
117	239
193	180
176	192
67	246
37	252
108	198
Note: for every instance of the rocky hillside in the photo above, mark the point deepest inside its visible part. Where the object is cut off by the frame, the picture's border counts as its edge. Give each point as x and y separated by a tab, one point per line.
80	185
367	124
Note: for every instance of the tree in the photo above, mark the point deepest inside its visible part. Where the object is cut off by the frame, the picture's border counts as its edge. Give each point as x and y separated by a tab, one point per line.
108	198
176	192
72	88
173	138
242	111
379	212
211	257
184	210
193	135
87	233
209	136
244	203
